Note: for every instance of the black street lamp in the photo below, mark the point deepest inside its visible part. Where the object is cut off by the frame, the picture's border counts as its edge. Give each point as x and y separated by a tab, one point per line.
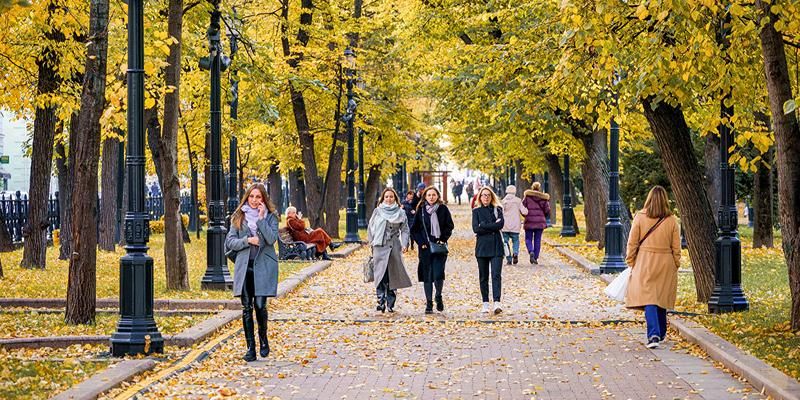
546	188
614	259
362	209
217	276
349	118
567	224
233	198
137	332
727	295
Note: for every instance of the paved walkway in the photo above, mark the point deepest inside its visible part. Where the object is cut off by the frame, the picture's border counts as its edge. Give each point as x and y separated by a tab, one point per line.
558	338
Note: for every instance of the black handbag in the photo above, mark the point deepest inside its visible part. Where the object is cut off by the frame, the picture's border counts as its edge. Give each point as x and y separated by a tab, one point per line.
436	248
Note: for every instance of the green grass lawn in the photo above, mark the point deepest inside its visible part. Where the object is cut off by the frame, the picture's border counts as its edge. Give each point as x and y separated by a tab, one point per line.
763	331
52	282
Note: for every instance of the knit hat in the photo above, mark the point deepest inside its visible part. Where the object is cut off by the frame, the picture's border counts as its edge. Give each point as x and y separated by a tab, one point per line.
420	186
511	189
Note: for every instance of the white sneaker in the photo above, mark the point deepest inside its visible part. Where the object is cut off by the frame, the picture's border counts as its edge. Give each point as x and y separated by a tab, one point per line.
498	308
485	308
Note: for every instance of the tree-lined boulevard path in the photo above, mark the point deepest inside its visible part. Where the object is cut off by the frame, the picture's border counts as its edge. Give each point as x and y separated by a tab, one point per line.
557	338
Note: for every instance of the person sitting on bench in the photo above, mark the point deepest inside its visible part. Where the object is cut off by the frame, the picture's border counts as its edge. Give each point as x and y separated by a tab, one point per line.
317	237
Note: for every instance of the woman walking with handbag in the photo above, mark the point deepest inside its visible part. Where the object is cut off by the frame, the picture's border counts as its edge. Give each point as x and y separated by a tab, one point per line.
654	253
432	228
251	242
388	234
487	221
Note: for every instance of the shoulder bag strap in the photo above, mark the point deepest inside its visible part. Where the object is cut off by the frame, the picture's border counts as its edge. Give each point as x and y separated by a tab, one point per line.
653	228
425	228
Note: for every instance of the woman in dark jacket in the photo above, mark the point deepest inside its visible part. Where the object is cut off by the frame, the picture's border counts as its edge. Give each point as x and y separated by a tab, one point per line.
538	205
487	222
432	223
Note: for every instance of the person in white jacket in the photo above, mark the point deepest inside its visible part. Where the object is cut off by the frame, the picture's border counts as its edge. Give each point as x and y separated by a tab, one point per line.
512	210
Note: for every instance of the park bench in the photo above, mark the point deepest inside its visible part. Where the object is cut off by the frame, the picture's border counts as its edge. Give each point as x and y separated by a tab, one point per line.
290	249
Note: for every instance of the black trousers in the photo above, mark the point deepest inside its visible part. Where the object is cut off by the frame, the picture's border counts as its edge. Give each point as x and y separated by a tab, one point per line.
249	302
385	295
496	266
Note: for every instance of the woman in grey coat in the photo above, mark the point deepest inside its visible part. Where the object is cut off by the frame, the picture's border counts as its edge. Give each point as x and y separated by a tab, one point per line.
388	235
251	243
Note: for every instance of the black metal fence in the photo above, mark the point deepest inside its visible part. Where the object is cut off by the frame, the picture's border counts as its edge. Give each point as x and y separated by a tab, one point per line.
14	212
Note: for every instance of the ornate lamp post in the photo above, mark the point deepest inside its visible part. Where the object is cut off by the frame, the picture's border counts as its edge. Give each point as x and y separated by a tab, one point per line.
614	259
349	118
217	276
137	331
233	198
362	209
567	224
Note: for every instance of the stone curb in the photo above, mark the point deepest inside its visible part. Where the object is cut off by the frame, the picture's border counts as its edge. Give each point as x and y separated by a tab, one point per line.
346	251
576	258
159	304
106	379
763	377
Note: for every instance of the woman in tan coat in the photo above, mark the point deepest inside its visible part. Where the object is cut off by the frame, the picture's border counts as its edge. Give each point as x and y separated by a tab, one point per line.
654	253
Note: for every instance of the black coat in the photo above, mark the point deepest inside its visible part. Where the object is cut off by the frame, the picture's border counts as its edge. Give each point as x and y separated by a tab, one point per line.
487	226
420	235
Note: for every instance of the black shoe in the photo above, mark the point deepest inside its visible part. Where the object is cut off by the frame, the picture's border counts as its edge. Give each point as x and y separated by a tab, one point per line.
390	309
533	259
251	354
381	308
335	245
325	256
249	336
429	308
653	342
536	261
508	260
515	259
439	303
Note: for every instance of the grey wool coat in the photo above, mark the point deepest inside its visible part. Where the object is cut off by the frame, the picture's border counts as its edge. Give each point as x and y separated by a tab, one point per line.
388	259
265	265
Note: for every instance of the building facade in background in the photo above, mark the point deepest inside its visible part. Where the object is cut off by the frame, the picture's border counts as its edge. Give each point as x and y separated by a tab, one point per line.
16	175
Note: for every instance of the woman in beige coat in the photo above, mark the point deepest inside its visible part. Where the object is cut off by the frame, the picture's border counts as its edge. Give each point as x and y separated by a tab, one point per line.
654	253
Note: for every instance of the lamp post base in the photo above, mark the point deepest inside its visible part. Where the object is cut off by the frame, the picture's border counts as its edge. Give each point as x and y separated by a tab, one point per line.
137	332
216	285
614	259
728	295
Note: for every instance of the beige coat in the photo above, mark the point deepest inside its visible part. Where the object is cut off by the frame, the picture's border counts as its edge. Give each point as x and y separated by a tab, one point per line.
654	278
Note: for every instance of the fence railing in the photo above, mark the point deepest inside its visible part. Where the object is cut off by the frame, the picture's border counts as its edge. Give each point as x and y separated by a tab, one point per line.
14	212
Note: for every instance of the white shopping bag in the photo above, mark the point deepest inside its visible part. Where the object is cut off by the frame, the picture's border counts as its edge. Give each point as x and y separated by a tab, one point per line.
619	286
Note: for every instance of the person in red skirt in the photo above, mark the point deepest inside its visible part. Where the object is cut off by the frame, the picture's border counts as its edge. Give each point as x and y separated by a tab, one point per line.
317	237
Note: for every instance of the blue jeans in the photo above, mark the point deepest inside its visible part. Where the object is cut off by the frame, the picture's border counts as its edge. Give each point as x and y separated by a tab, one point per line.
656	318
534	235
514	237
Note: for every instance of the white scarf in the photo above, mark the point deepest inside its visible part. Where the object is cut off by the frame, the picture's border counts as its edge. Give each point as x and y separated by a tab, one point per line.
251	217
431	209
384	215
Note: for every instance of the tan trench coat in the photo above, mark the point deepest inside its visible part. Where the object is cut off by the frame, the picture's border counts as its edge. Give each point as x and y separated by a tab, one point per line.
654	278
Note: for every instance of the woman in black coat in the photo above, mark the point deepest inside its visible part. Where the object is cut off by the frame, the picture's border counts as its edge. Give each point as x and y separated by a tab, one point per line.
432	223
487	221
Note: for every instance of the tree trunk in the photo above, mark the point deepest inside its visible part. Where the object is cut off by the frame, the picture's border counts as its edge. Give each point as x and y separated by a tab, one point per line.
712	172
762	203
522	183
674	140
313	182
595	185
333	190
44	130
297	193
6	244
556	182
80	308
176	266
275	186
108	191
65	166
372	189
787	151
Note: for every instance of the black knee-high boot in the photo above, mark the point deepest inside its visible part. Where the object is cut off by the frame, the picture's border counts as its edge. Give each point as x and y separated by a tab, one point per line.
247	317
261	319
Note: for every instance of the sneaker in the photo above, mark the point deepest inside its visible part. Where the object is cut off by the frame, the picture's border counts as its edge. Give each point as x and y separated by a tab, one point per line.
536	261
652	343
485	308
533	259
497	307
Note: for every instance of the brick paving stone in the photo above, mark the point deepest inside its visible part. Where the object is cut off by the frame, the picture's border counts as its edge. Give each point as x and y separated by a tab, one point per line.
328	342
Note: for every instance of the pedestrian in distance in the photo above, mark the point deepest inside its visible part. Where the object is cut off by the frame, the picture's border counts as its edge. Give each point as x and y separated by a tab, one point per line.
458	188
432	228
470	190
410	207
317	238
251	243
654	255
388	235
487	222
512	210
538	205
